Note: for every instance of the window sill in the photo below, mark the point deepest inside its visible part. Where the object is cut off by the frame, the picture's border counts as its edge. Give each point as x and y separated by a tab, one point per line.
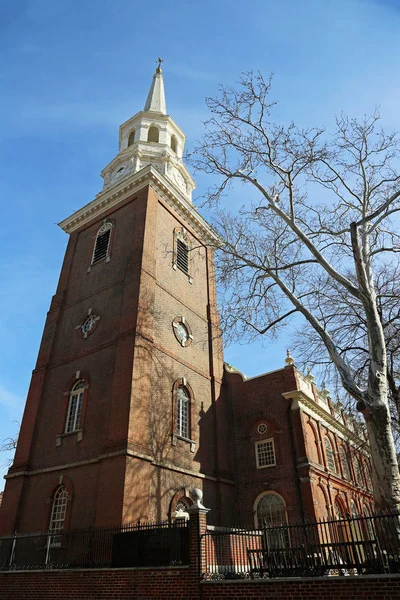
176	437
105	259
265	466
175	266
77	432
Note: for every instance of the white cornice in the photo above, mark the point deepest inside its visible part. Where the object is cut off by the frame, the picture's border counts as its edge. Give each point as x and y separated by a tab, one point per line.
310	407
119	192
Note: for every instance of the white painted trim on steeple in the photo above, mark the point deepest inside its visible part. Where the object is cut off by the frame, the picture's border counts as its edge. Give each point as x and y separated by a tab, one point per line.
118	193
156	98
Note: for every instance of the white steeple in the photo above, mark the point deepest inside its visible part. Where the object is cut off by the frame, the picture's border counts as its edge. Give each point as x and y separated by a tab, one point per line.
151	138
156	98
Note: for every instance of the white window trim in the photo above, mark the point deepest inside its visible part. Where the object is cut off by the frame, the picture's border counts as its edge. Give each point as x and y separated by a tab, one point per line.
257	444
180	408
107	226
79	392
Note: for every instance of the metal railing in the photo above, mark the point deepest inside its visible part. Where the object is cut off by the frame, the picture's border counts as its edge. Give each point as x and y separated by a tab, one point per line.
134	545
352	546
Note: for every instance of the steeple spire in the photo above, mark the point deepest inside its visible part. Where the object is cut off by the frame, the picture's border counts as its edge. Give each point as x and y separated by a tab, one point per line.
156	99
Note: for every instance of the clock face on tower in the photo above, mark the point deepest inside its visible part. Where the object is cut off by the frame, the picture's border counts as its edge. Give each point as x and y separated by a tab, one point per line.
177	178
121	170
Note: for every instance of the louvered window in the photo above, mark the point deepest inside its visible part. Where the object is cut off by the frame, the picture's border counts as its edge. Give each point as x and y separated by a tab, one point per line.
102	244
182	256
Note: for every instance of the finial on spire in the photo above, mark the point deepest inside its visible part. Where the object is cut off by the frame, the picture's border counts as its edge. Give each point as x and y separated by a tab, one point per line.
159	60
289	360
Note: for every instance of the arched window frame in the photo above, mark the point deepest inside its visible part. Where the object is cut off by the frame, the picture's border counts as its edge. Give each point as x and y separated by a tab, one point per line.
70	389
317	441
330	454
369	525
340	509
174	143
58	514
258	521
344	463
368	475
150	134
131	138
181	255
102	243
73	421
181	497
176	431
353	508
358	472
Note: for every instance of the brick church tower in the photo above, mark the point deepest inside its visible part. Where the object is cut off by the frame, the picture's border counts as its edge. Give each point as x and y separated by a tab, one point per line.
124	405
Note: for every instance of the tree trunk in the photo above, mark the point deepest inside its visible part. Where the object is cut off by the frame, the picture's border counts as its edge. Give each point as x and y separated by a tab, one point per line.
385	469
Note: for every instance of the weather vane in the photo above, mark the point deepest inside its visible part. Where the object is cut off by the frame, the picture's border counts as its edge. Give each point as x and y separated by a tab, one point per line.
159	60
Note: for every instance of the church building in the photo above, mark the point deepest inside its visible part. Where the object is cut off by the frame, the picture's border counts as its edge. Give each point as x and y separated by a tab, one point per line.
131	406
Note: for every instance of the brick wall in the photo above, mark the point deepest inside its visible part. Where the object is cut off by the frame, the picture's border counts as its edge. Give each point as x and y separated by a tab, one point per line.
333	588
183	583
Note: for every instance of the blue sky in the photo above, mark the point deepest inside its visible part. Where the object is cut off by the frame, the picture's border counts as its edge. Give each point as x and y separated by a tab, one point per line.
72	71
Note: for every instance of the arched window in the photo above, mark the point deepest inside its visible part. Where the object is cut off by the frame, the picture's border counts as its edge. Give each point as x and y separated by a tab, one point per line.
368	521
345	463
131	139
353	508
271	510
329	455
368	476
181	509
153	134
58	511
102	243
182	412
174	143
73	422
340	513
358	472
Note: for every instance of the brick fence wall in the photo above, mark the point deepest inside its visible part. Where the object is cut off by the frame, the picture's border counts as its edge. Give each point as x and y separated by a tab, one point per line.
183	582
327	588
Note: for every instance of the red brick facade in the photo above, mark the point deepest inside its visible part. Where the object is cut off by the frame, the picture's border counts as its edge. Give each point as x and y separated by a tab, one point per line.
126	461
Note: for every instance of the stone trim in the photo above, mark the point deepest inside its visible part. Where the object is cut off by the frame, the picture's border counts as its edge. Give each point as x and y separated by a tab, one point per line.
147	176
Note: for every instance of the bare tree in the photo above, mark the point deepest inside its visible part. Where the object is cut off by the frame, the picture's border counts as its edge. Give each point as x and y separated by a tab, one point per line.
342	318
313	238
9	444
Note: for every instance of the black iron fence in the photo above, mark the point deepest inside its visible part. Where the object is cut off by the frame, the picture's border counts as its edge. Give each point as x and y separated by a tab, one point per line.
134	545
352	546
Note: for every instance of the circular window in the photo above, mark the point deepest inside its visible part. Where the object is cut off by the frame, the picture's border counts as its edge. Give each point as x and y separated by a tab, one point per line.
262	428
182	331
88	324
